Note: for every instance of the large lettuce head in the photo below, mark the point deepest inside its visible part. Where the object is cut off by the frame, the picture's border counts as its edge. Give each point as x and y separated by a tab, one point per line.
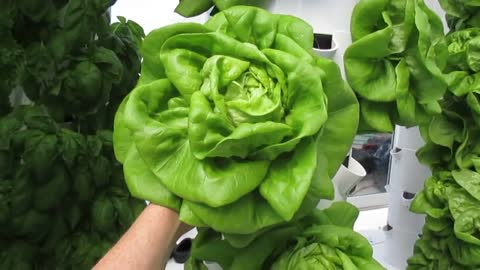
323	240
236	124
395	63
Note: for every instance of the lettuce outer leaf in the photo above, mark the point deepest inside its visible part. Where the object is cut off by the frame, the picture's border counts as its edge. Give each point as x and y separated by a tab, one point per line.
191	8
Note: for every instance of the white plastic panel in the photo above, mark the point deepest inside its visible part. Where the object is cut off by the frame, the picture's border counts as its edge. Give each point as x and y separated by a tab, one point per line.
151	14
325	16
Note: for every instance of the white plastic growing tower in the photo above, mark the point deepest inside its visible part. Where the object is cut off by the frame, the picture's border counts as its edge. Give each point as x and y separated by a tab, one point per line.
406	178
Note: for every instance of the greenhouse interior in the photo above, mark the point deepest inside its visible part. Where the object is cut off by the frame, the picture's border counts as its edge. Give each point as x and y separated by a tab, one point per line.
240	134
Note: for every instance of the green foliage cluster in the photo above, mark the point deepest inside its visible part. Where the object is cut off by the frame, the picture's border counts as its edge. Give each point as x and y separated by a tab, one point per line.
324	239
63	199
395	63
451	197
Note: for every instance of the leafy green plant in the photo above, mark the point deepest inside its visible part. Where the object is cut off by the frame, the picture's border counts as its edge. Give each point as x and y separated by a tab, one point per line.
236	124
394	63
461	14
82	70
450	236
451	197
56	183
323	239
9	58
63	198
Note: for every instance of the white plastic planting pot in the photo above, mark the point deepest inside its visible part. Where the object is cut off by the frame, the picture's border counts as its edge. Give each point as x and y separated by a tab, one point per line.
407	138
406	172
330	50
344	180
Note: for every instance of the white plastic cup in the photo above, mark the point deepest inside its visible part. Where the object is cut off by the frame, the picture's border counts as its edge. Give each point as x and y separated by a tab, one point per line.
407	138
344	180
327	53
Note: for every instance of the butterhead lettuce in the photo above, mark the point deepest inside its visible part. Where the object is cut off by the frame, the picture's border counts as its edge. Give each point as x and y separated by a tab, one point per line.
394	63
450	235
235	124
451	197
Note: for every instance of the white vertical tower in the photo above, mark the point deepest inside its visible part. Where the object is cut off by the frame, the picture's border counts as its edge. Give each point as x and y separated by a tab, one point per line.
406	178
